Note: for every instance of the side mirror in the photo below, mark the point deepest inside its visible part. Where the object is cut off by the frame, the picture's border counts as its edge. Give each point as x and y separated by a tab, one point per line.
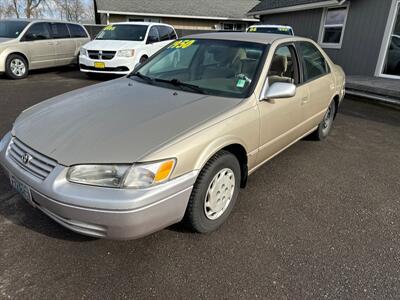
279	90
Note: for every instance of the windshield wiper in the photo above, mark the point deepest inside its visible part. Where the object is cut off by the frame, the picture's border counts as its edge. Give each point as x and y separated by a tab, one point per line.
141	76
178	83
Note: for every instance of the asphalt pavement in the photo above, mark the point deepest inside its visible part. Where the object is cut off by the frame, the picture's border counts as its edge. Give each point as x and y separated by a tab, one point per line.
319	221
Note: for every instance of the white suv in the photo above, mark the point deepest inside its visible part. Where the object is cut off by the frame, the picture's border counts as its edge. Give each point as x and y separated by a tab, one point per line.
119	47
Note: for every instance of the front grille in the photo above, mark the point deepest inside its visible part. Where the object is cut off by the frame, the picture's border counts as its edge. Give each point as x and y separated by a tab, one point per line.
101	55
30	160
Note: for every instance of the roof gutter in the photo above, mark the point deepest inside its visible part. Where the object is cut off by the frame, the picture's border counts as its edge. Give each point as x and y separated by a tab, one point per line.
297	7
175	16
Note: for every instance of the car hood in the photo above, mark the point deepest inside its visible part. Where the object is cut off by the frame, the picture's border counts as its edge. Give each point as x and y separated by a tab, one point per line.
5	40
119	121
112	45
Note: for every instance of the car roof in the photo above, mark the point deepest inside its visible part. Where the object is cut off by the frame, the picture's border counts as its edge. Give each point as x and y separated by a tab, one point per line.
40	20
140	23
253	37
271	25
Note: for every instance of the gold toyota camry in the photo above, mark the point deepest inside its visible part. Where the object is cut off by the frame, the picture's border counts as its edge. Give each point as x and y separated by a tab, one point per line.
174	140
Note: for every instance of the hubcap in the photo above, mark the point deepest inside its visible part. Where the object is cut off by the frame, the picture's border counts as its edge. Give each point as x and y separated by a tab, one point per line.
328	119
219	194
17	67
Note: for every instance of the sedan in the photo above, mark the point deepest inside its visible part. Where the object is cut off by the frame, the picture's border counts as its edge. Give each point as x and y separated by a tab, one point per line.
176	139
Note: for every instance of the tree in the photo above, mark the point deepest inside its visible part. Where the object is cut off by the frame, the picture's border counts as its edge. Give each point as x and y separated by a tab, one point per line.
23	8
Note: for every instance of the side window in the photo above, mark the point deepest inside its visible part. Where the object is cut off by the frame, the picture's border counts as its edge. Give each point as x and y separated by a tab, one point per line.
38	31
153	36
313	62
172	34
284	66
164	33
59	31
77	31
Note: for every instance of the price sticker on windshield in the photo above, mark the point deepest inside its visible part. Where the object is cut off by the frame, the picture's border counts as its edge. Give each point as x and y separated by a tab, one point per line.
283	29
109	28
253	29
182	44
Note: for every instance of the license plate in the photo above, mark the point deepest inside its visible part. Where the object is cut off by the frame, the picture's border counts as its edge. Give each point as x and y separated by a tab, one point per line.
21	188
99	65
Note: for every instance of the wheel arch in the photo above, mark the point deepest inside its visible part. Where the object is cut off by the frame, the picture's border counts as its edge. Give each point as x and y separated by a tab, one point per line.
336	98
234	146
19	53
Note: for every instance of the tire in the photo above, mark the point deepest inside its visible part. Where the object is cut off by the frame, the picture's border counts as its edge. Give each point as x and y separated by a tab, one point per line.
143	59
221	172
16	67
325	127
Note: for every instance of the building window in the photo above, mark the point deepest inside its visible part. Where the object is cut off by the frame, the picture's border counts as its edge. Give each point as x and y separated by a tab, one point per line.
391	66
332	26
233	26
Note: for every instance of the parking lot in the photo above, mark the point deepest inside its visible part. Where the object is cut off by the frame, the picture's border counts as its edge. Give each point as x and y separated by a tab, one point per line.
321	220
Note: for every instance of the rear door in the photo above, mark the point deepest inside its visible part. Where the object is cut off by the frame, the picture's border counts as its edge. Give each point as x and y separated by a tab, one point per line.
38	43
78	35
317	77
65	46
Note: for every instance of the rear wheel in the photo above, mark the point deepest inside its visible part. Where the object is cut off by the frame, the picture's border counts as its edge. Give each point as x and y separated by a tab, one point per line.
325	127
16	66
214	194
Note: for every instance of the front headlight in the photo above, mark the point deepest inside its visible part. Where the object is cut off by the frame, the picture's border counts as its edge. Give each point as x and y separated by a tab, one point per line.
140	175
126	53
83	52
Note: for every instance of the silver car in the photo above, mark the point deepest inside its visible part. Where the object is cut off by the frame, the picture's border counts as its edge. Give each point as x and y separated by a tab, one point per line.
35	44
176	139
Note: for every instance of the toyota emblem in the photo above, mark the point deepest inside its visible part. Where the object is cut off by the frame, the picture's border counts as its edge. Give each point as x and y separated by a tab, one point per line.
26	158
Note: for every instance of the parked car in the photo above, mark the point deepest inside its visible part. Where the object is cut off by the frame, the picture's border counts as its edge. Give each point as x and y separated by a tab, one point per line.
275	29
119	47
35	44
175	139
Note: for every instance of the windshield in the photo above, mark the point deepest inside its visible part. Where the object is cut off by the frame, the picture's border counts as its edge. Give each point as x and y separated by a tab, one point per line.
123	33
213	67
274	30
12	29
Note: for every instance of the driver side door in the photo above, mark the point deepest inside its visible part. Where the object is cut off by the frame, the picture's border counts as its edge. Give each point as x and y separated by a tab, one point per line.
41	48
281	119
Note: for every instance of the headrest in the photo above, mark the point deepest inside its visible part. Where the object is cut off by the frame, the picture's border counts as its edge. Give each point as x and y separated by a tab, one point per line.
279	65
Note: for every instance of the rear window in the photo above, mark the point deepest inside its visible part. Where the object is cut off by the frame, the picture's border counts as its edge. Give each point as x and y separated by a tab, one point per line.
59	31
77	31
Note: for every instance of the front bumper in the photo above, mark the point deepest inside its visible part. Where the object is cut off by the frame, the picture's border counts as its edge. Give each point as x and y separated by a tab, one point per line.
104	212
117	65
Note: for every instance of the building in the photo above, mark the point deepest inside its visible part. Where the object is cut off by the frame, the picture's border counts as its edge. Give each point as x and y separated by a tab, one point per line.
188	15
363	36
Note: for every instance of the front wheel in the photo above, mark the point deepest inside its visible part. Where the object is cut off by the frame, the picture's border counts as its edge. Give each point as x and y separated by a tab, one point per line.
325	127
214	193
16	67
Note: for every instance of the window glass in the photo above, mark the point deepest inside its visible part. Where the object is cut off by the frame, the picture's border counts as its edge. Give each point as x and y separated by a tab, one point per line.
12	29
313	62
392	60
77	31
153	35
38	31
333	29
164	32
59	31
172	35
284	66
121	32
221	68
